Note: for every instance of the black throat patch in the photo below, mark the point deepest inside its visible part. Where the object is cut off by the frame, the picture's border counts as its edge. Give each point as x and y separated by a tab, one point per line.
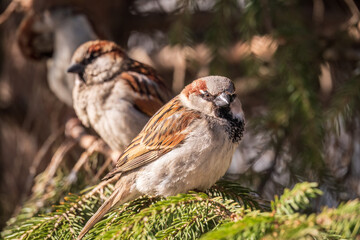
234	126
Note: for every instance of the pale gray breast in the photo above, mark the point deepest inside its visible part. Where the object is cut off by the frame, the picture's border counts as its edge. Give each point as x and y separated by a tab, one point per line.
108	108
197	164
80	102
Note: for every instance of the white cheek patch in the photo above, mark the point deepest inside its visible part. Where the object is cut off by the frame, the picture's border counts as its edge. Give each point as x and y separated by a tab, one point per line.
102	64
197	103
236	109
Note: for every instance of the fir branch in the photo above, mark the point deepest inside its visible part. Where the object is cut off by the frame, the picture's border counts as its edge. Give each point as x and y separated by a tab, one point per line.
189	216
66	218
252	226
285	223
343	220
176	217
244	196
295	199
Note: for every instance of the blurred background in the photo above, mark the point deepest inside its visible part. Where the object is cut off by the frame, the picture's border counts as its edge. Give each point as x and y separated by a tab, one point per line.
295	64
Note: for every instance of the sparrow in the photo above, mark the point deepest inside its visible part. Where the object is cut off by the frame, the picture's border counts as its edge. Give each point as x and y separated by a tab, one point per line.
114	94
187	145
54	35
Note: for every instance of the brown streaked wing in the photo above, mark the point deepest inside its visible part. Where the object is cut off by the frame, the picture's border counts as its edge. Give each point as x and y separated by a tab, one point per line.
152	94
165	131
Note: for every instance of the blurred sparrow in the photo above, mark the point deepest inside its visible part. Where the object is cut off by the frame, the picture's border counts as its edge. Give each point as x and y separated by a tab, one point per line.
113	93
54	34
188	144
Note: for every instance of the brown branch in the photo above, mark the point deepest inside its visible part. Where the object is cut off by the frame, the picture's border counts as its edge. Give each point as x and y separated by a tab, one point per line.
355	18
74	130
12	7
318	11
103	168
91	144
96	146
54	164
9	10
353	8
76	135
38	157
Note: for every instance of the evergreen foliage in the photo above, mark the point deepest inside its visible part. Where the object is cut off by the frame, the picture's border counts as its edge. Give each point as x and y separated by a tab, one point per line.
285	222
216	214
297	121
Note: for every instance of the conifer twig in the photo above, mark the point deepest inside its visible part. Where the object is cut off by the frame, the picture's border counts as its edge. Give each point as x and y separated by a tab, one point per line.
76	131
38	158
54	164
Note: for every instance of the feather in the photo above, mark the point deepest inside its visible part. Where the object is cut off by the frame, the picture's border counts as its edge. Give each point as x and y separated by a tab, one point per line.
150	93
114	199
190	141
165	131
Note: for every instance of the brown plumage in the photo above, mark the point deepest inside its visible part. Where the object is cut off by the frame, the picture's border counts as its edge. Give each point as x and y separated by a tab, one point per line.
115	94
159	136
188	144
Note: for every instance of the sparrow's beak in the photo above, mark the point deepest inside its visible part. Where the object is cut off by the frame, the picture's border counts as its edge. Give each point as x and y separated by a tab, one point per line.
222	100
76	68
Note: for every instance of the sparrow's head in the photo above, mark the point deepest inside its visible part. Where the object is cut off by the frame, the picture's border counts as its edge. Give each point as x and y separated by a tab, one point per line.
97	61
214	96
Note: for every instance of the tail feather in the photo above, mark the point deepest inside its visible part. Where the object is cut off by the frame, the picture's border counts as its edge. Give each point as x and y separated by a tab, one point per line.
113	200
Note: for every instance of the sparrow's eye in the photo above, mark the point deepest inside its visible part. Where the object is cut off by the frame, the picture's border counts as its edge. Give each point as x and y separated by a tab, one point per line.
232	97
206	95
93	55
90	57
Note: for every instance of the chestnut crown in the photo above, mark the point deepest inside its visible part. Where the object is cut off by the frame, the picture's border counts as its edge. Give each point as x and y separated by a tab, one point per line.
97	61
